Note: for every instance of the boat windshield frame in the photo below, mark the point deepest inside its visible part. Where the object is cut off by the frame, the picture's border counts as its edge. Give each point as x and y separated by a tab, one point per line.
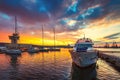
83	45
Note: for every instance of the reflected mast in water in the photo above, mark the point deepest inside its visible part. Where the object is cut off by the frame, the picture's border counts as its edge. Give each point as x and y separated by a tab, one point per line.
14	63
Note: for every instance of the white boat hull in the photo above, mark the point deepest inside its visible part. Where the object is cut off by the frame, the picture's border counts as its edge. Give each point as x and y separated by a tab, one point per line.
33	51
17	52
3	49
84	59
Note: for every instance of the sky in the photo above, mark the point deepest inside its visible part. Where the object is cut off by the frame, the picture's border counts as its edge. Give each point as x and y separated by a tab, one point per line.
71	19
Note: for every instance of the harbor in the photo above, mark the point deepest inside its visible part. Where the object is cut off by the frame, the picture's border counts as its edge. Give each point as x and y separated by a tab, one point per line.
40	62
59	39
52	66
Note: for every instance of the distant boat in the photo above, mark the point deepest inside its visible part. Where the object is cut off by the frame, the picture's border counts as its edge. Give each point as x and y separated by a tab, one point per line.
3	49
54	49
83	53
33	50
13	51
43	50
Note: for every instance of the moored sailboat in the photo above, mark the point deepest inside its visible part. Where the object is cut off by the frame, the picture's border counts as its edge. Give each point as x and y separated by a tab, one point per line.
42	49
33	50
54	48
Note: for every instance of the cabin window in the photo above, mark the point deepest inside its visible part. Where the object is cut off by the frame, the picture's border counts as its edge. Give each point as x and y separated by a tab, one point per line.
83	45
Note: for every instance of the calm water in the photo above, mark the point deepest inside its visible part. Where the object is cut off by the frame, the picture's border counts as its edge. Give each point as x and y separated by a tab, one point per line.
51	66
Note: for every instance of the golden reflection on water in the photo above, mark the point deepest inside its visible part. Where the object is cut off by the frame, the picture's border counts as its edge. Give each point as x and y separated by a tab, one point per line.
46	57
51	66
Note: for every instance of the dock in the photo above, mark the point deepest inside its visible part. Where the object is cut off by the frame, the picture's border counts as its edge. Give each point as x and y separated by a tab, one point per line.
112	57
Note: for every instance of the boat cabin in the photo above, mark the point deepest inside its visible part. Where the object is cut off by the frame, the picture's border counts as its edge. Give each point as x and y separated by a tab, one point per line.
83	44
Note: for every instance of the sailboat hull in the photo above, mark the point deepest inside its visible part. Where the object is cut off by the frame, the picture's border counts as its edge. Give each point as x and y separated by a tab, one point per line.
14	52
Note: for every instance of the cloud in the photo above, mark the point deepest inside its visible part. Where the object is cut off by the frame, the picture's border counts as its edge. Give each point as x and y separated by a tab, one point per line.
33	10
113	36
65	15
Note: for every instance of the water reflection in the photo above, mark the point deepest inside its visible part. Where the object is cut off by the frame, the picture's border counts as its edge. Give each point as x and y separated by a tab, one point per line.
51	66
89	73
14	62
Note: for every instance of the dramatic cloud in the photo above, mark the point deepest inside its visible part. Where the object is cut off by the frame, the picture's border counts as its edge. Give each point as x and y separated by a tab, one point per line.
113	36
64	15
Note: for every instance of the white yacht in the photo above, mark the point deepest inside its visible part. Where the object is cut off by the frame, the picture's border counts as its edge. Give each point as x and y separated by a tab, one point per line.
83	53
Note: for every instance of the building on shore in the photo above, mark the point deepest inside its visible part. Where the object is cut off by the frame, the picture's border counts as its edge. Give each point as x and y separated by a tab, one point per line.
114	45
106	45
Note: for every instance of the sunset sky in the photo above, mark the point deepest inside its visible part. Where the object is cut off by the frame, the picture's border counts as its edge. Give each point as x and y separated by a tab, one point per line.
97	19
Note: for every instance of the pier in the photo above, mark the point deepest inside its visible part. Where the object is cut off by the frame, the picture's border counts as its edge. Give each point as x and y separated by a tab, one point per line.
112	57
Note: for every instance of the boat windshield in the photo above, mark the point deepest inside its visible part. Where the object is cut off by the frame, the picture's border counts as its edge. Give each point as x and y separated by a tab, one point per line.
83	45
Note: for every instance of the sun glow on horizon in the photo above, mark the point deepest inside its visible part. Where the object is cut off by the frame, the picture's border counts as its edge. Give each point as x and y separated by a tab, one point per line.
68	19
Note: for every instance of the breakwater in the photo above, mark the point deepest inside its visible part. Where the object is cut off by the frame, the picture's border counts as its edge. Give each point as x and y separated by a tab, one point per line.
111	56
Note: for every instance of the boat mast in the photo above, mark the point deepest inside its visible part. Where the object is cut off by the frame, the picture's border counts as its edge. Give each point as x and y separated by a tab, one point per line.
15	25
54	36
15	36
42	35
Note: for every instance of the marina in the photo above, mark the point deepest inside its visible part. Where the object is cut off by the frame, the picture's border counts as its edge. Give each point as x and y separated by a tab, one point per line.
81	62
39	62
59	39
52	66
